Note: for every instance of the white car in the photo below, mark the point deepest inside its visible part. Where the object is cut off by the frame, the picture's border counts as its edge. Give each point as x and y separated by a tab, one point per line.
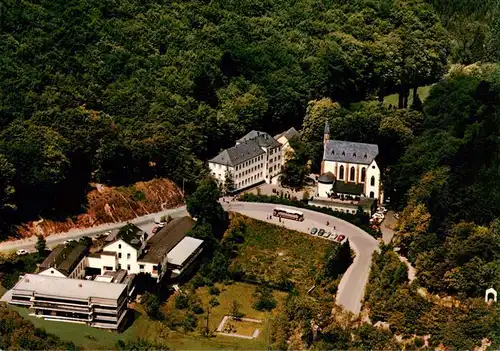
382	210
22	252
68	241
378	215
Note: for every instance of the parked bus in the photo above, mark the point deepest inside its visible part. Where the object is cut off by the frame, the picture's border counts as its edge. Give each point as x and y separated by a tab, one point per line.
290	214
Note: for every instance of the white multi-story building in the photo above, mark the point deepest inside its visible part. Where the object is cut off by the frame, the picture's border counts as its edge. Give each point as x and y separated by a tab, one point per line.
349	168
168	251
55	298
256	158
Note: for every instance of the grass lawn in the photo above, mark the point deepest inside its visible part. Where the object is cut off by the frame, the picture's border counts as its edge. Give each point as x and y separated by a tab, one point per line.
240	292
423	93
97	339
270	253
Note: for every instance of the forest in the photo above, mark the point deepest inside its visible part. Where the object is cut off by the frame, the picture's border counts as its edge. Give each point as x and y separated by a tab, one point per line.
116	92
121	91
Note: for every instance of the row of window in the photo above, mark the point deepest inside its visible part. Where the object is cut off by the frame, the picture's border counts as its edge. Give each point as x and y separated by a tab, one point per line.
276	158
249	162
250	170
249	181
120	254
352	175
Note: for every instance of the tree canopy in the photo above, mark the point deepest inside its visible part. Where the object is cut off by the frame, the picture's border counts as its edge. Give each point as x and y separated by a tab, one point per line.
118	92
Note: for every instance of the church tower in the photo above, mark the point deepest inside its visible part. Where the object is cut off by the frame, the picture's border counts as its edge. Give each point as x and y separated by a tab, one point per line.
326	134
326	137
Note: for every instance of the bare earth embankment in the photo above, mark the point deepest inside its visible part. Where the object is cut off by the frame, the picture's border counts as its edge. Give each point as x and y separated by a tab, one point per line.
112	204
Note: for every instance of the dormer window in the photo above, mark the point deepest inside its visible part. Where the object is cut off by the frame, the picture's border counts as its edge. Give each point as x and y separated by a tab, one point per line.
343	153
366	156
333	152
354	155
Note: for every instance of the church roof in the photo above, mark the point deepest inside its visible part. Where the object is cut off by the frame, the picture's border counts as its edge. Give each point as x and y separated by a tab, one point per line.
351	152
242	152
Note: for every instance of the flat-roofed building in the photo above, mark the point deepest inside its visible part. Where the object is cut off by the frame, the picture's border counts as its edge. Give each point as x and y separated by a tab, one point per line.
94	303
183	255
161	246
65	261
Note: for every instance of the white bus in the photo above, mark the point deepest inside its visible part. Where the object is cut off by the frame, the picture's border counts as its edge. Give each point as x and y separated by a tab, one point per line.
290	214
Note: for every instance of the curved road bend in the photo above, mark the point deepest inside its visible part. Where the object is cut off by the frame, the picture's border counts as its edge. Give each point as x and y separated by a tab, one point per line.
352	285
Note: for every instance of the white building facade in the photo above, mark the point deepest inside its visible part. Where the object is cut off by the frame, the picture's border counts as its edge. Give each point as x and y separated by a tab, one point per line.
349	168
256	158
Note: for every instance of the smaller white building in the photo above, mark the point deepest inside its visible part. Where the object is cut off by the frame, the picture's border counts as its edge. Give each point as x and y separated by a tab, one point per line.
256	158
284	139
130	250
65	261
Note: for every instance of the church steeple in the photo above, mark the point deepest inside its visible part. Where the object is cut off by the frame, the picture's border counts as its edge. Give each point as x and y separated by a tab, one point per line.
326	133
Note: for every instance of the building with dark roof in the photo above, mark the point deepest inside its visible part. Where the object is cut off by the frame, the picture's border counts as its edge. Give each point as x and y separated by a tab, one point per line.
256	158
284	139
148	256
66	261
353	167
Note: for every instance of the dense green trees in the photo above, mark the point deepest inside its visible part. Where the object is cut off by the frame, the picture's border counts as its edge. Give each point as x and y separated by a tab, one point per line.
117	92
20	334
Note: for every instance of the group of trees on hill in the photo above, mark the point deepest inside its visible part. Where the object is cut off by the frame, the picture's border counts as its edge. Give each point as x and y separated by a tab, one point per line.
120	91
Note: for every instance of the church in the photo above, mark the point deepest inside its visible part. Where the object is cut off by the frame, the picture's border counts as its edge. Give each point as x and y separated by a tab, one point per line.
349	170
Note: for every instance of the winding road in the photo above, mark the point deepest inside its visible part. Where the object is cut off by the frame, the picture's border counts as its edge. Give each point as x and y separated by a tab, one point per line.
352	285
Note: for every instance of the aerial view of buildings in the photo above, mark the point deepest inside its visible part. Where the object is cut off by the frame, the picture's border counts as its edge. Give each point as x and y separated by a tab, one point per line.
249	175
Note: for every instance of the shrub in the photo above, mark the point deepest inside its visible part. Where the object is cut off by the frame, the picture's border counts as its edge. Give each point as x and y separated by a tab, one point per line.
214	302
419	342
264	299
181	301
198	281
197	309
152	305
214	290
190	322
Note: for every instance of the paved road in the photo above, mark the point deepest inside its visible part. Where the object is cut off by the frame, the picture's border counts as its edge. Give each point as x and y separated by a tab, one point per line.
351	288
146	223
387	227
352	285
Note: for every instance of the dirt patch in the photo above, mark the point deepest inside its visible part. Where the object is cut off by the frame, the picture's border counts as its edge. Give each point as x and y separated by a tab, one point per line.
112	204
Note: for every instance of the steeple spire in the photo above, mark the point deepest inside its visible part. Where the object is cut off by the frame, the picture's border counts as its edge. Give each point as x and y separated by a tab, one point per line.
326	133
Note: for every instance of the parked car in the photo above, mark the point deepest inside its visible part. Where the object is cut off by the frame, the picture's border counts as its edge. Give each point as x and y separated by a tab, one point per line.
314	231
68	241
378	215
327	235
382	209
321	232
396	215
340	238
155	229
22	252
160	224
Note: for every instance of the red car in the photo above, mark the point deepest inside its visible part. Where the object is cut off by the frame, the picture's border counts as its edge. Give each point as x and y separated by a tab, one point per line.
340	238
